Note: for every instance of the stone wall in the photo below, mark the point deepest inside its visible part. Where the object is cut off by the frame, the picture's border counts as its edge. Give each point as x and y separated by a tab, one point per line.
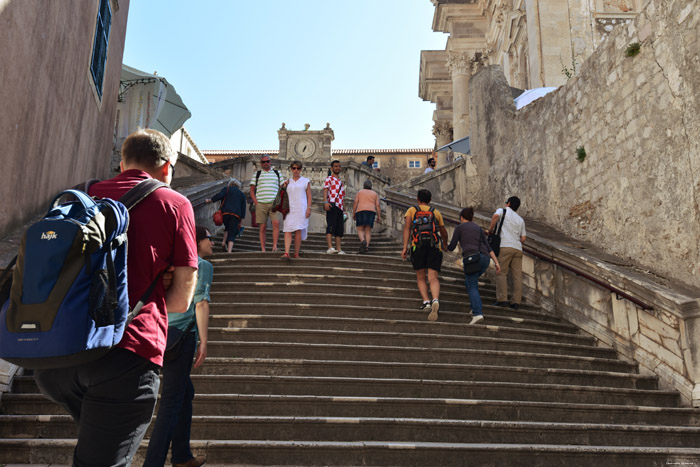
54	132
637	192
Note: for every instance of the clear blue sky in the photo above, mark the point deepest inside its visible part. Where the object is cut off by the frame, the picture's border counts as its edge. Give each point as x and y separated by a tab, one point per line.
243	67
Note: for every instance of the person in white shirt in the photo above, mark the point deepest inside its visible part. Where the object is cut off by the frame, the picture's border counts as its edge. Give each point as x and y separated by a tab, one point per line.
431	165
511	254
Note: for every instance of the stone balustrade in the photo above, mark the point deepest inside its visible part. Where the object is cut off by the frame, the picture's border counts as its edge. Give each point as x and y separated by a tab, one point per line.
660	336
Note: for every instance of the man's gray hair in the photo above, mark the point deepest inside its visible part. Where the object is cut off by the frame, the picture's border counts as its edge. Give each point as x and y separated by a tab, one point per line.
148	148
235	181
368	184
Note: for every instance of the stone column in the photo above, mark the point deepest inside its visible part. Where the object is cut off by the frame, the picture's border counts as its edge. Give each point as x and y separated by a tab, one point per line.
460	65
443	135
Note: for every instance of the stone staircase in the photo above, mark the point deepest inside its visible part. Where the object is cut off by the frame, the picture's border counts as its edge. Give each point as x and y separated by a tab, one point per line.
326	360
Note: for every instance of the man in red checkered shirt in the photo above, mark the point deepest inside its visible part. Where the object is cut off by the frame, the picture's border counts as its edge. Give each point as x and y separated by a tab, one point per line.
333	196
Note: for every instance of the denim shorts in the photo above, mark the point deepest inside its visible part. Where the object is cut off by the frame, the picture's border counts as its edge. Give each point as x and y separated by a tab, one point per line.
365	218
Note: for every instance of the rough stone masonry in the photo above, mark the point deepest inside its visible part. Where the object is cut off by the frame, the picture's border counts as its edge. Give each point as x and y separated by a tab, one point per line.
636	193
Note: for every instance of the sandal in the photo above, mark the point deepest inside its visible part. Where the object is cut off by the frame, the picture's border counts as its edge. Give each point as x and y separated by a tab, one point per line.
296	255
285	256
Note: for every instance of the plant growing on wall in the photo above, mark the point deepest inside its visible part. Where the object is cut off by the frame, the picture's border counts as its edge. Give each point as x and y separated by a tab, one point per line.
569	72
581	153
633	49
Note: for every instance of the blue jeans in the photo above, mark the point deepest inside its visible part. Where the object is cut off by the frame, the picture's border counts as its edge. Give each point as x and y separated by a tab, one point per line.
471	281
111	399
174	419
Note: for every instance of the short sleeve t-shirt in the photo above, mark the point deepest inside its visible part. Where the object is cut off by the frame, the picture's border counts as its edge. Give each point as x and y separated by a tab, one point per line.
266	186
513	228
336	191
424	207
205	276
161	233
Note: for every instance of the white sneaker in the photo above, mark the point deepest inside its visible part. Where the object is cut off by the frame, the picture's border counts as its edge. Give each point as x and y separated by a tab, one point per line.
331	250
341	252
477	319
434	307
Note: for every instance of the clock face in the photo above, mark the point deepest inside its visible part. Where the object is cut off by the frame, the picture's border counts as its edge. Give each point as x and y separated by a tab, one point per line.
305	147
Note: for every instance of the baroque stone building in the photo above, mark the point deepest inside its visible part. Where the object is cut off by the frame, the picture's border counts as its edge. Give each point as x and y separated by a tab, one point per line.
537	43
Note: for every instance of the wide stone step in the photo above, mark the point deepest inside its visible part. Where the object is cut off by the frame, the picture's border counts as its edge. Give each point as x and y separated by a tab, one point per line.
432	371
320	246
258	453
351	311
493	316
270	263
426	340
251	235
462	409
394	387
250	349
390	429
332	300
362	265
447	294
392	325
271	275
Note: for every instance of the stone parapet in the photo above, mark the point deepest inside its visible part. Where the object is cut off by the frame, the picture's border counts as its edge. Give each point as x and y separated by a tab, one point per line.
564	277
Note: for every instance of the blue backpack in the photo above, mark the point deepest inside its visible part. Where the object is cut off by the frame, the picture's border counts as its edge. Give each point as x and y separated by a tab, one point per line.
67	302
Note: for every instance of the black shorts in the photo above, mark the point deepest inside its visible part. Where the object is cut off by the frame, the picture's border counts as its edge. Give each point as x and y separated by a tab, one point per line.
427	258
231	224
334	221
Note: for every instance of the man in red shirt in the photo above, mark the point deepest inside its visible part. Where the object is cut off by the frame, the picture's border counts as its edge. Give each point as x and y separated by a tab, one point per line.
112	399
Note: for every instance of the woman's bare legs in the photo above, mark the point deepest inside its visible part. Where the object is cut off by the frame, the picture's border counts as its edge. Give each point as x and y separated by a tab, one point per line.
297	242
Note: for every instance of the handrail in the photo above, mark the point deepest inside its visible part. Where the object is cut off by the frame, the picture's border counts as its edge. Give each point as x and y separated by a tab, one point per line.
578	272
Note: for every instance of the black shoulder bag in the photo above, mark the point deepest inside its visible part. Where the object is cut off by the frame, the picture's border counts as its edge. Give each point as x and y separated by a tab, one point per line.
494	239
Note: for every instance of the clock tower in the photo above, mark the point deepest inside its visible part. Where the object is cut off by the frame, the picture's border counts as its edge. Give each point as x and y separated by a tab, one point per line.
306	145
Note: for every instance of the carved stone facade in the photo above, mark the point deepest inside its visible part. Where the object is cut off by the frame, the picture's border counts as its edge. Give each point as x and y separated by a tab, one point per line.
306	145
537	43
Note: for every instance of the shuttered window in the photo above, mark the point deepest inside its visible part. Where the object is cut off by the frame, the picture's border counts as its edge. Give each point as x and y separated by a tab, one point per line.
99	48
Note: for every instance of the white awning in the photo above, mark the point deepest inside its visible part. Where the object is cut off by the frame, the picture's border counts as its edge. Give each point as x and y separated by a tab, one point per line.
531	95
461	145
148	101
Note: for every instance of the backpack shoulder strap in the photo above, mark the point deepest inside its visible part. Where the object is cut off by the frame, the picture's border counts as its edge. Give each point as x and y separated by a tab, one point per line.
130	199
417	208
139	192
257	178
278	175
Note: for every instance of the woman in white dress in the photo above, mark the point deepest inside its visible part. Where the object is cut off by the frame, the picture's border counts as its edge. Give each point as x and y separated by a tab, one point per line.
297	221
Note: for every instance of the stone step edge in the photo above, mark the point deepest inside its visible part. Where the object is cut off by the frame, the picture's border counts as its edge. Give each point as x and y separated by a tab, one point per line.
416	422
212	361
392	446
297	398
224	278
387	322
394	309
353	259
442	383
407	335
499	353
